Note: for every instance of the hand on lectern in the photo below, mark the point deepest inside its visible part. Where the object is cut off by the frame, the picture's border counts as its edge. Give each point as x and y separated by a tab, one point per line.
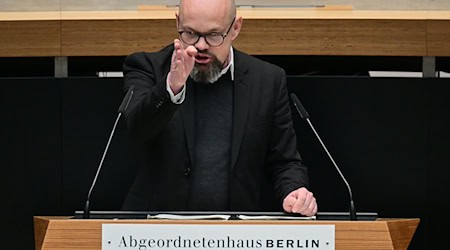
300	201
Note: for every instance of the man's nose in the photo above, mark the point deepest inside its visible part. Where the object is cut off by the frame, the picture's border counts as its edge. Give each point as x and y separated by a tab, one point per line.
201	44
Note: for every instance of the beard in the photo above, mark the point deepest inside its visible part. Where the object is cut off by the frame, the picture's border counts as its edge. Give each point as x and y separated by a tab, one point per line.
207	73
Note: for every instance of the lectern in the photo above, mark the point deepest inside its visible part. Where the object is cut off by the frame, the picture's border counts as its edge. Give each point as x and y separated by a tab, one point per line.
68	233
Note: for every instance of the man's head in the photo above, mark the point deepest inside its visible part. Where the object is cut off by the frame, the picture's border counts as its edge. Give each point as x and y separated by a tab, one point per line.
210	20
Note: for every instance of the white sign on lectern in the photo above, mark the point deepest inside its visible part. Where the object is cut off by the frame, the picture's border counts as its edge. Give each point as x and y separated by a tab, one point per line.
223	236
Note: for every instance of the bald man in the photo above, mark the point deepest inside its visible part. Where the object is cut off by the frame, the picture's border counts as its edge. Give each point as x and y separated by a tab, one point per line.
213	124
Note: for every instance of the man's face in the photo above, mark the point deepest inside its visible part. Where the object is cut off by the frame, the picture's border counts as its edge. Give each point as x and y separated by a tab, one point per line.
206	17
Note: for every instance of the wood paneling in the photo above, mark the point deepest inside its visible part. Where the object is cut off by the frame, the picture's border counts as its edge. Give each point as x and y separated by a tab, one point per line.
401	233
115	37
86	234
30	38
265	32
333	37
30	16
438	38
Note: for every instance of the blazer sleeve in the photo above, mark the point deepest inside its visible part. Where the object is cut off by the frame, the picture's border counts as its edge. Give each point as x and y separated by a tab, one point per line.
288	171
150	108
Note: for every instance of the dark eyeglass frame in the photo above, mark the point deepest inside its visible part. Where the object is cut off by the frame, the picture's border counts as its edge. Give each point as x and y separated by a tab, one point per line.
205	35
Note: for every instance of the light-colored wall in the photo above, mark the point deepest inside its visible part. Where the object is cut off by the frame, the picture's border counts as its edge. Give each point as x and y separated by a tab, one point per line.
66	5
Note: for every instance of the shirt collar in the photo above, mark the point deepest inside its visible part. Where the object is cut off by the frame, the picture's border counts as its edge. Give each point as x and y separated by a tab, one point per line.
230	65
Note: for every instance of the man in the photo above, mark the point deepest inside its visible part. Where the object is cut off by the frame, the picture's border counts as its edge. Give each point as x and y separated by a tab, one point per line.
213	123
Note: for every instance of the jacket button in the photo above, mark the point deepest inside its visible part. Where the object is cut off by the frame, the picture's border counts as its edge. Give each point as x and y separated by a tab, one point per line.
187	171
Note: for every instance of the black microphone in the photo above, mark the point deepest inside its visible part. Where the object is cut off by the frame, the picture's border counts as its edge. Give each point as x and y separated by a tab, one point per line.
122	108
304	115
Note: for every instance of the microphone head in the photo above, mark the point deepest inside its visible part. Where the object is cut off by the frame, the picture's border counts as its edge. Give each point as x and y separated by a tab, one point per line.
298	105
126	100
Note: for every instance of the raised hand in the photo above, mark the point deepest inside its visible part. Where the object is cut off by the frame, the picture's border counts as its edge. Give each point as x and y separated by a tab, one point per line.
183	61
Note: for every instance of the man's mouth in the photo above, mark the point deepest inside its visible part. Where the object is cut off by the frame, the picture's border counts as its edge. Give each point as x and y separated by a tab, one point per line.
202	59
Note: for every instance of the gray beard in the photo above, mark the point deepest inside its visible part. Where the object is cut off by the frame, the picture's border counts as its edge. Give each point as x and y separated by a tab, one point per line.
210	75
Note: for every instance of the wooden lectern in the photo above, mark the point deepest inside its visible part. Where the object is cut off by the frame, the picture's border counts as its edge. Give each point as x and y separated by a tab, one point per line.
68	233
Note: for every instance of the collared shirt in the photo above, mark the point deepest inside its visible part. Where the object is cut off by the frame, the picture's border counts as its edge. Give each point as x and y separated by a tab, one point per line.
179	98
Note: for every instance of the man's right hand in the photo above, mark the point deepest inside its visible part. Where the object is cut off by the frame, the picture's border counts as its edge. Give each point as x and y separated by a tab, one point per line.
183	61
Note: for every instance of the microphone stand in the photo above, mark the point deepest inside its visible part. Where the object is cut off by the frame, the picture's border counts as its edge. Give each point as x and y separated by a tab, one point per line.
122	108
305	115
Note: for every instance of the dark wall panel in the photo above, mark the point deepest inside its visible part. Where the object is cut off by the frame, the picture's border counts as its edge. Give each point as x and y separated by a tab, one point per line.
33	159
390	137
377	130
438	196
89	111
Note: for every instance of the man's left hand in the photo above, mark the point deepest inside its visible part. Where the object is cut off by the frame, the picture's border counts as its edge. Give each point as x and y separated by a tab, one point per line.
300	201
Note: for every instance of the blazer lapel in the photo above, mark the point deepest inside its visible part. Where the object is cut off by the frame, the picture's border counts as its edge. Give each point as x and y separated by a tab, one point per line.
241	105
187	110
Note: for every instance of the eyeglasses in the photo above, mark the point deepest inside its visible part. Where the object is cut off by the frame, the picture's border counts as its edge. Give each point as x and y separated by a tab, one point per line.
213	39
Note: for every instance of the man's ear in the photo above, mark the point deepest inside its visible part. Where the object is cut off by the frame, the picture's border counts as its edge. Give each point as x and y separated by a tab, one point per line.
177	17
236	27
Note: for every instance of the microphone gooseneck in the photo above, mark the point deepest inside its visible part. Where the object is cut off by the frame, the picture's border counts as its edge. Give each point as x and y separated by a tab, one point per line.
122	108
304	115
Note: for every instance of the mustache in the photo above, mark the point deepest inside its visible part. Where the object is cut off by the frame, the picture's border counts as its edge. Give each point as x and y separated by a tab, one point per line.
215	61
206	52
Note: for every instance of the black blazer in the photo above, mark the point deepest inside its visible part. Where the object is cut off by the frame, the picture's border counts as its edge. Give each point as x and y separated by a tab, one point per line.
263	148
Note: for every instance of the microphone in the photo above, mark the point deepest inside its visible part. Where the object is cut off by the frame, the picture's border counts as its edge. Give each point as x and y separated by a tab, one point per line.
122	108
304	115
